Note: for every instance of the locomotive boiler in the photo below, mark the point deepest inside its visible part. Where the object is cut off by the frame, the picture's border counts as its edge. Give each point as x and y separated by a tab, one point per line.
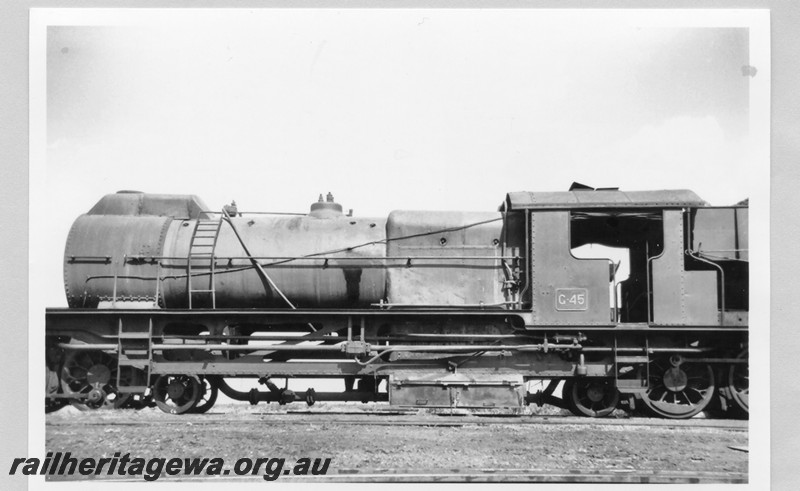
168	299
131	244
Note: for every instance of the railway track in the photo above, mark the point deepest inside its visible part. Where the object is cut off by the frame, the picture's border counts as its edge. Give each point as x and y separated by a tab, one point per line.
389	419
396	447
394	475
526	476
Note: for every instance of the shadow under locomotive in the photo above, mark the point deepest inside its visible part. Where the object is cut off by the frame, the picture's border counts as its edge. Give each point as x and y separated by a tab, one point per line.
638	298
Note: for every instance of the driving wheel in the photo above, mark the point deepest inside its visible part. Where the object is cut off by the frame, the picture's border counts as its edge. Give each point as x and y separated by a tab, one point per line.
678	388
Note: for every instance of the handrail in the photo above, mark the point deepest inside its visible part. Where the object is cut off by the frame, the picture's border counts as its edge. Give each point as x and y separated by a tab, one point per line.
388	305
209	212
89	259
325	258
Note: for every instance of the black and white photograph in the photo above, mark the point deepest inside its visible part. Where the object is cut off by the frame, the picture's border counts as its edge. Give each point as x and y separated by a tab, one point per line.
346	246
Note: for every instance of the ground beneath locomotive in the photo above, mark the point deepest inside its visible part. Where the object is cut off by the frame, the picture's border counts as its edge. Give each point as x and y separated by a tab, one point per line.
236	431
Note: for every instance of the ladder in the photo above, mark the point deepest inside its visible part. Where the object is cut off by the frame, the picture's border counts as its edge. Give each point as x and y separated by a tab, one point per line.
201	257
135	355
641	360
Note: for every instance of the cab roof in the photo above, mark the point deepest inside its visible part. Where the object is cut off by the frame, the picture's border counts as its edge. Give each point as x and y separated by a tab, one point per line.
601	198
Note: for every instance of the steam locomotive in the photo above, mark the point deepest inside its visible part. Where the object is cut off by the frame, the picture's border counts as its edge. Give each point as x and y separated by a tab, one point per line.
169	300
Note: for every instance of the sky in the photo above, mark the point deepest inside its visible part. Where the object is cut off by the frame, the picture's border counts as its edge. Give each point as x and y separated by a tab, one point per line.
388	109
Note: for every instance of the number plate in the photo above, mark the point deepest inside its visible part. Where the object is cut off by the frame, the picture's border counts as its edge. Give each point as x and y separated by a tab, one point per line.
572	298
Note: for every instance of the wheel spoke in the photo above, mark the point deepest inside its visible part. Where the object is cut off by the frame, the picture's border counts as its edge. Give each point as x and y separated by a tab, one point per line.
687	392
84	372
592	397
187	386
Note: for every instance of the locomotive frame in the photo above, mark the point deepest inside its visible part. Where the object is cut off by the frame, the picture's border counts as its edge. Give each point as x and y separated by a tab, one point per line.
673	337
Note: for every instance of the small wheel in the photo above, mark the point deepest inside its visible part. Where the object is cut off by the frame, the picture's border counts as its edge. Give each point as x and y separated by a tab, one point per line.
208	396
595	398
738	384
679	389
91	375
176	394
